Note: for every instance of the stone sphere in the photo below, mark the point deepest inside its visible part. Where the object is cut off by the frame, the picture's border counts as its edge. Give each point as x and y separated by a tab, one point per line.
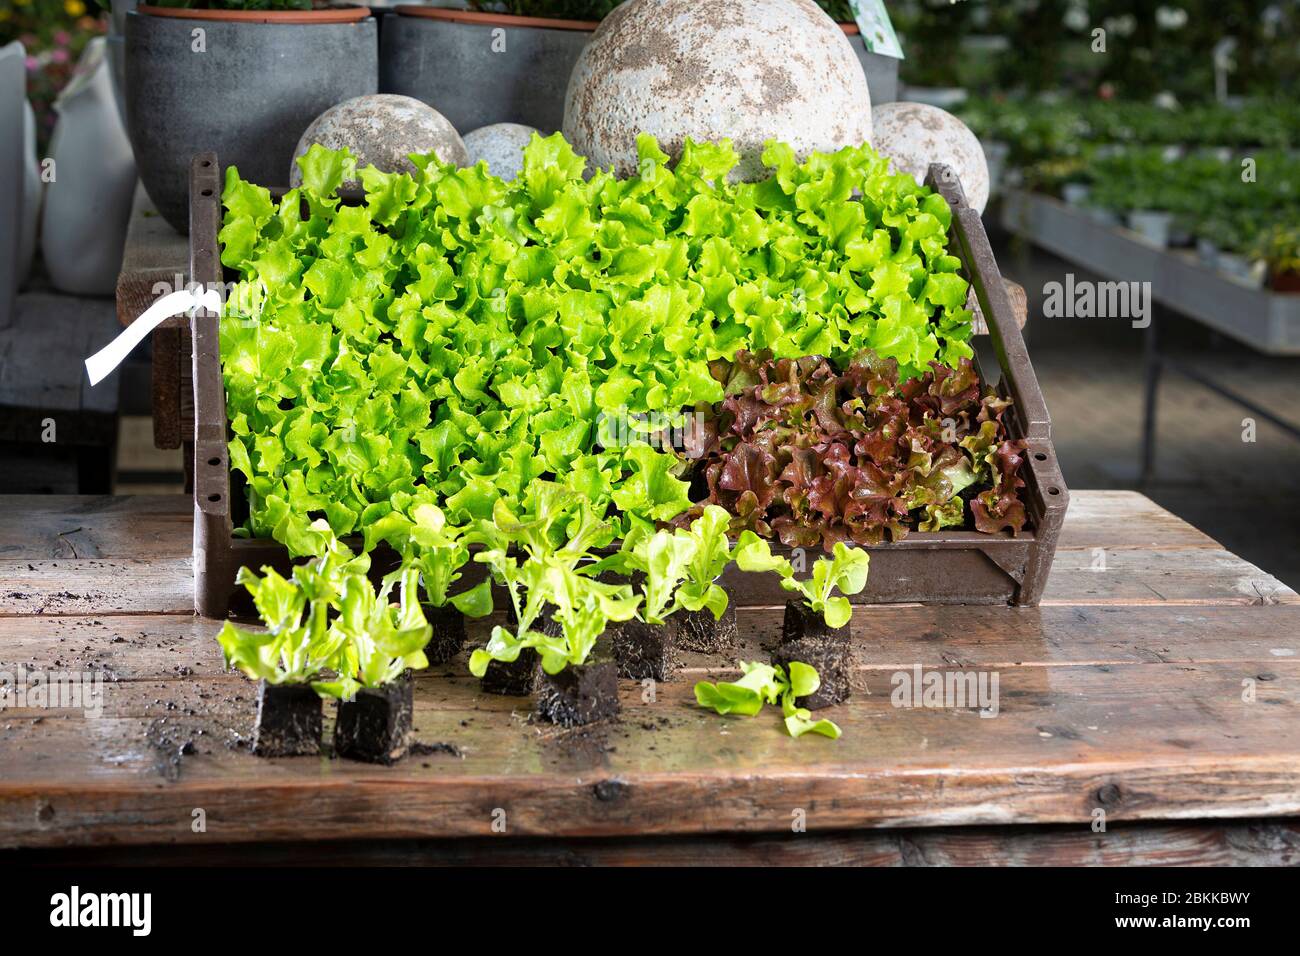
744	70
382	130
914	135
501	146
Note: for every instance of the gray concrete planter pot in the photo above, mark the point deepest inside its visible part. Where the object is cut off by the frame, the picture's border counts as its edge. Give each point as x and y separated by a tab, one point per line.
881	71
481	68
248	94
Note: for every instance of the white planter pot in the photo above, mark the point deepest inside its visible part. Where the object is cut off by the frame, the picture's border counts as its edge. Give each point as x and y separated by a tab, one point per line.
1207	252
31	196
88	204
1075	194
1152	226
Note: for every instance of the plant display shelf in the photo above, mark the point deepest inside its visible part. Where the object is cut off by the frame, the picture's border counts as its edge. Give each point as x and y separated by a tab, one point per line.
1267	321
945	567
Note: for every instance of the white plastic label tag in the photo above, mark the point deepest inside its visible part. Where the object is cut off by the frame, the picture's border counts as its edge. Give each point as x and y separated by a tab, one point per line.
100	365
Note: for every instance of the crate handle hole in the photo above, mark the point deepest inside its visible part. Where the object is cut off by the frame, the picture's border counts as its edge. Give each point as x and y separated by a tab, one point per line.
1039	456
214	497
214	461
206	163
1053	491
205	192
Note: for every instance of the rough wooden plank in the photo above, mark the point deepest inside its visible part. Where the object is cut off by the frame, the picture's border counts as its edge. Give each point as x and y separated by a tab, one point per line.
1141	741
96	586
41	358
155	255
1126	519
38	527
155	260
166	388
1247	843
153	647
1143	576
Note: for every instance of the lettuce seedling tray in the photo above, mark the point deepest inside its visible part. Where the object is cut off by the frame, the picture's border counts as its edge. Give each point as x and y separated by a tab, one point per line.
941	567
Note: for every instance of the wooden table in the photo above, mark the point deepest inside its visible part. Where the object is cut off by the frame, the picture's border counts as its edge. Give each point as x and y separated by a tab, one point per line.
1156	684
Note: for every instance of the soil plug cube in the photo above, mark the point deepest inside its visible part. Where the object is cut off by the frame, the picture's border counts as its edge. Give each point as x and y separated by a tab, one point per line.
700	631
288	721
448	634
581	693
806	638
646	650
376	725
516	678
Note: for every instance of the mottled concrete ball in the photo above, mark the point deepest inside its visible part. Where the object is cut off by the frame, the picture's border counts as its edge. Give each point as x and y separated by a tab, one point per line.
744	70
382	131
501	146
914	135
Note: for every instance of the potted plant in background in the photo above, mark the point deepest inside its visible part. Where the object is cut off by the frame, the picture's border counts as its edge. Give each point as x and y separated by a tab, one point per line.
1279	248
241	77
478	67
510	63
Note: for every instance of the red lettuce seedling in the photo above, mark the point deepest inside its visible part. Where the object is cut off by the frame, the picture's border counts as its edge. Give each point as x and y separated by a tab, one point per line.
803	453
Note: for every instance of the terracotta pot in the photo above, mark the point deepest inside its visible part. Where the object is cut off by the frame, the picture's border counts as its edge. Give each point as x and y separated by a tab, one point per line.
331	15
1285	282
258	83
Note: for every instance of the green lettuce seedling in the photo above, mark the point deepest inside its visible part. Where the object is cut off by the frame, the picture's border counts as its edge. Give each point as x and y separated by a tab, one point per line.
297	644
845	570
542	557
681	566
438	550
380	640
710	557
768	684
348	628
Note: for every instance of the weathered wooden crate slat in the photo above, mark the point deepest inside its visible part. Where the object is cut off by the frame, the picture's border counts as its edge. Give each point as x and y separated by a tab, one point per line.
947	567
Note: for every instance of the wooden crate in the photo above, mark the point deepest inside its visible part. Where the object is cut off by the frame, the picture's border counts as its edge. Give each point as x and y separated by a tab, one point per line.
944	567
